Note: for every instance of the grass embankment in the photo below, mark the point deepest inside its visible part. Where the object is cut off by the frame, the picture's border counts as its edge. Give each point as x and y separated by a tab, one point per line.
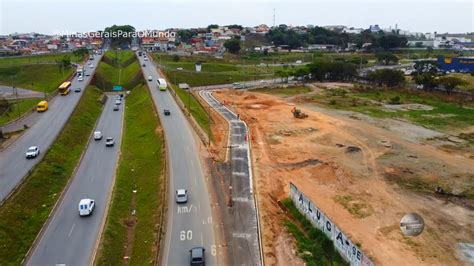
23	214
313	245
118	68
141	169
215	71
36	59
288	91
17	109
468	78
445	114
42	78
197	110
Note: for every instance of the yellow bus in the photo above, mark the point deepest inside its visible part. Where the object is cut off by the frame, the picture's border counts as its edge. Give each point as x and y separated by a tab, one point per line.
64	88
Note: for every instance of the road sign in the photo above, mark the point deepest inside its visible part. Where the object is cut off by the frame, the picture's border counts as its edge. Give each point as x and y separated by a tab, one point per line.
117	88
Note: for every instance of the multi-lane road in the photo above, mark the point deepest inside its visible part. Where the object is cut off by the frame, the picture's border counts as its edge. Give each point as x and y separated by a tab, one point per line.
68	238
188	225
13	164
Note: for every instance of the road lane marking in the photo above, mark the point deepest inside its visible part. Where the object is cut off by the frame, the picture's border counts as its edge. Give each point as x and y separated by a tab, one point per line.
241	235
239	173
202	239
240	199
72	229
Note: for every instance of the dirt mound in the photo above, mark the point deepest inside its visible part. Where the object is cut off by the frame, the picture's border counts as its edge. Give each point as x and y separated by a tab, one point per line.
363	176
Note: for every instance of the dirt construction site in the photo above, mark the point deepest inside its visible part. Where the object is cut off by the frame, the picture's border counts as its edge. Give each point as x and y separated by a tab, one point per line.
364	176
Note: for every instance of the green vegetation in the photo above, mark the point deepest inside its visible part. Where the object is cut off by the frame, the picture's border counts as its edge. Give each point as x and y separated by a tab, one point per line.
197	110
467	85
43	78
37	59
441	114
141	169
357	207
120	35
288	91
16	109
313	245
28	208
118	68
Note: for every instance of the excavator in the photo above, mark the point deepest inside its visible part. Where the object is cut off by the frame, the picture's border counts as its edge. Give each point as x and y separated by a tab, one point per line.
298	114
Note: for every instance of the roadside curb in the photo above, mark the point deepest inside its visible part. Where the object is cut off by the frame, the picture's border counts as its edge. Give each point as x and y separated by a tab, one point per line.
59	201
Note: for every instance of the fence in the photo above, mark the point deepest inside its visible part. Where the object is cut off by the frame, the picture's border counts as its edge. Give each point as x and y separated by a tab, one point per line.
348	250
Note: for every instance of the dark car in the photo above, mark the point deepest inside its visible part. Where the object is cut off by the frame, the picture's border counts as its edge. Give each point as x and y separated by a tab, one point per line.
144	65
166	112
109	142
77	90
197	256
116	107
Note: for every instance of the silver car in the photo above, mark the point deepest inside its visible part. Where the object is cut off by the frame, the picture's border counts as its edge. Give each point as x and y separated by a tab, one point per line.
181	196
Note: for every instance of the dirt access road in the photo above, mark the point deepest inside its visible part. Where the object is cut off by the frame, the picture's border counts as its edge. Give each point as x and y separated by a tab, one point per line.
361	175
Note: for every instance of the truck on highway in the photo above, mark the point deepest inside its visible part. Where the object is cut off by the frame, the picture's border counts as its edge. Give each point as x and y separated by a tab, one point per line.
42	106
80	70
162	84
64	88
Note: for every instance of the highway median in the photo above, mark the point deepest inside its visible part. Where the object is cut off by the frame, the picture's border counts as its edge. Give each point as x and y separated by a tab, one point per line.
26	211
133	224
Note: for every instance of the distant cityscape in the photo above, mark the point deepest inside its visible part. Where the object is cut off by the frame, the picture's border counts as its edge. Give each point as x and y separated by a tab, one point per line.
211	40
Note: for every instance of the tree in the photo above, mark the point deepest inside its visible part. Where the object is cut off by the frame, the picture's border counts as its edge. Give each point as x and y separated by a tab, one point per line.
212	26
119	35
450	83
387	77
81	52
232	45
235	26
386	58
185	35
65	61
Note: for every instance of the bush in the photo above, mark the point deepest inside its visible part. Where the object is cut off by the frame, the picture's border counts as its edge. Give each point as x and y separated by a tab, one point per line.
395	100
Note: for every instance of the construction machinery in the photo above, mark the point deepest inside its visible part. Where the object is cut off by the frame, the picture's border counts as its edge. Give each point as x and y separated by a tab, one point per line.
298	114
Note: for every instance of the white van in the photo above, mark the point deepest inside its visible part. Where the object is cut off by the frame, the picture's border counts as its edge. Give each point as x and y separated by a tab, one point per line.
150	78
86	207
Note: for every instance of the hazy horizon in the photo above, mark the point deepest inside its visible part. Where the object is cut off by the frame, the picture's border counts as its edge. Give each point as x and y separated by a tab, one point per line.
55	16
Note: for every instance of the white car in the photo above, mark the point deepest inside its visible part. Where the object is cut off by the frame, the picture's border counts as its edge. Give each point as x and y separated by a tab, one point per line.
118	102
91	66
97	135
86	207
181	196
146	59
32	152
80	78
150	78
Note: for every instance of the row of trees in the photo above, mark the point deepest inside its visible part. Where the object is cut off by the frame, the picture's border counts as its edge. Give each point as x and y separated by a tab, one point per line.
318	35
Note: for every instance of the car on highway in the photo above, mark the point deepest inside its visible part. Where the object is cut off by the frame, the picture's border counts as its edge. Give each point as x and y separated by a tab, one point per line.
116	107
86	207
80	78
197	256
144	65
118	101
91	66
32	152
97	135
166	112
109	142
146	59
77	90
150	78
181	196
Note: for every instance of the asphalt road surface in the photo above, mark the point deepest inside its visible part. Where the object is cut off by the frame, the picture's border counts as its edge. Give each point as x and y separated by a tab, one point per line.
191	224
70	239
13	164
241	225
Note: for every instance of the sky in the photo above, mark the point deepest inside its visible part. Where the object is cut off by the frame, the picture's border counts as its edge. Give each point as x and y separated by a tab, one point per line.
54	16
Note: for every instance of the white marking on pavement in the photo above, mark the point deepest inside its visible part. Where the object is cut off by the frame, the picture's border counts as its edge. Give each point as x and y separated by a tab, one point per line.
241	235
239	173
72	229
240	199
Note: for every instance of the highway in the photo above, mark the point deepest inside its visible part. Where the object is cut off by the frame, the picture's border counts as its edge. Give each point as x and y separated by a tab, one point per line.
241	223
13	164
191	224
68	238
